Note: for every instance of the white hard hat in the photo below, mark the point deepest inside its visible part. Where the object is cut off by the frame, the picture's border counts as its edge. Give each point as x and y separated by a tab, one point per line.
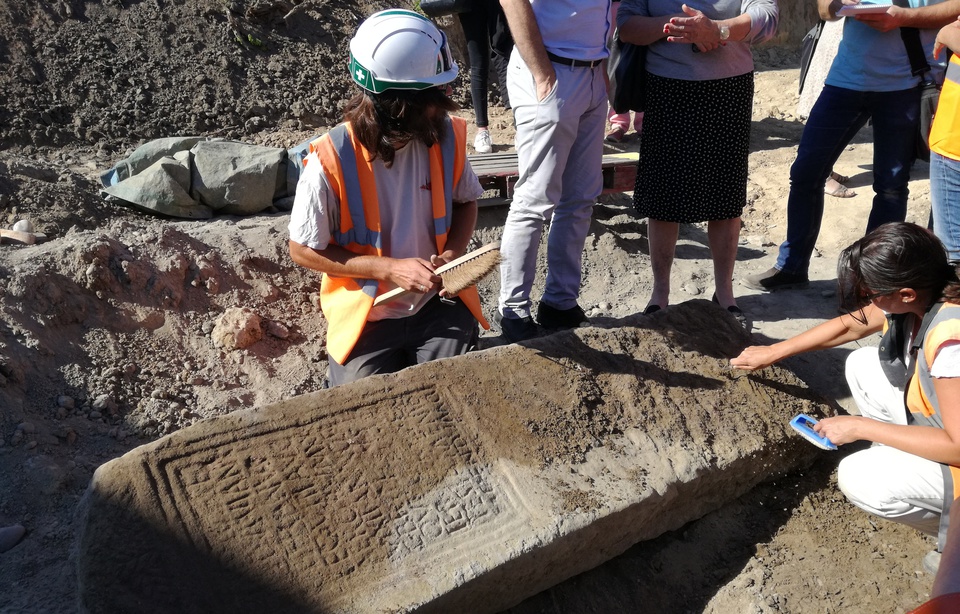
400	50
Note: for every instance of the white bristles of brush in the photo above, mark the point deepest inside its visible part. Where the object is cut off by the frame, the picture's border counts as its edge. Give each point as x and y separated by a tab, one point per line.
458	274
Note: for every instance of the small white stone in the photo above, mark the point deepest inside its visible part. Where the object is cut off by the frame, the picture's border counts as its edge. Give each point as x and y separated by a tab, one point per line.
23	226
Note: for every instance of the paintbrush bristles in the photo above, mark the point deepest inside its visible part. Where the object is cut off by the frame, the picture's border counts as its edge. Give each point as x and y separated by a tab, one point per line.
468	273
458	274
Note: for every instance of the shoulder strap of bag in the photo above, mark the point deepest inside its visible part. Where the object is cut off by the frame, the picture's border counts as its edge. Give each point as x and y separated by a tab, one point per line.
928	318
911	40
809	47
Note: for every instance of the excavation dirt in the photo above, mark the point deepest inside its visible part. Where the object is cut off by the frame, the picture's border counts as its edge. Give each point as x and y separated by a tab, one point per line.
122	327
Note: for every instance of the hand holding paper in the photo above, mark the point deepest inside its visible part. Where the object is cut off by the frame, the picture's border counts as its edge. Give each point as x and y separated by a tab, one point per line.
863	8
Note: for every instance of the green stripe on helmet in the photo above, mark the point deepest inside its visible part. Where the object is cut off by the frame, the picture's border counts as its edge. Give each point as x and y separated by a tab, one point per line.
405	12
365	79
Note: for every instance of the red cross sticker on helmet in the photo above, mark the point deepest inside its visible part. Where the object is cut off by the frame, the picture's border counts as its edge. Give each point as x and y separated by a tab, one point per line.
400	49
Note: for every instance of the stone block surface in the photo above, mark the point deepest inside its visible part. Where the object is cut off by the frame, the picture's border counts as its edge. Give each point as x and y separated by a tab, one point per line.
463	485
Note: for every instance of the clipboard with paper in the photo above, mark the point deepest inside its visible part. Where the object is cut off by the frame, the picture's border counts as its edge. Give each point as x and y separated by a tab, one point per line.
863	8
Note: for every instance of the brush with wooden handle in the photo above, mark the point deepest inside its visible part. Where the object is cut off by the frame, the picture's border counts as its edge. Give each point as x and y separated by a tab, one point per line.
458	274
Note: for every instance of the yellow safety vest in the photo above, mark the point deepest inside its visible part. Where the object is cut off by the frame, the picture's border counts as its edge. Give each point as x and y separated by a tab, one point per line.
945	133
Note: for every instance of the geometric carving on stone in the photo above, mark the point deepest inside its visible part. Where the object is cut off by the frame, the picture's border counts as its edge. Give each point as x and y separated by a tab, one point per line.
332	460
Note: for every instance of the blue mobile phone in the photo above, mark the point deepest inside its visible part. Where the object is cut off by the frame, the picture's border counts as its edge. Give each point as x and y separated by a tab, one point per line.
803	424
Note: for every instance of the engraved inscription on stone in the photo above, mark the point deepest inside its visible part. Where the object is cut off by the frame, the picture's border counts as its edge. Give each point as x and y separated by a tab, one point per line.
463	502
346	491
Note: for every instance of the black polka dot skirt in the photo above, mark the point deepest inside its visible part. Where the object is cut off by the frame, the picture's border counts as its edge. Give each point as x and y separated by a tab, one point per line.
694	148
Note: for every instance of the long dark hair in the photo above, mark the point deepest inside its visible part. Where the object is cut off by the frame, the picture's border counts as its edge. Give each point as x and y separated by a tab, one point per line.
380	120
891	257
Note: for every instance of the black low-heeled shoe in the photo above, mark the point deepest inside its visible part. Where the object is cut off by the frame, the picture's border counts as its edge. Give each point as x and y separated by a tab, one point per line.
652	309
738	314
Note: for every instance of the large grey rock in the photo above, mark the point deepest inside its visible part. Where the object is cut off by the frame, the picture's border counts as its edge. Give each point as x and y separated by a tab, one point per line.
460	485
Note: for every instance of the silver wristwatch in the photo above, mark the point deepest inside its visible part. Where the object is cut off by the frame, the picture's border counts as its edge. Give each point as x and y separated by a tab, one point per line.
724	33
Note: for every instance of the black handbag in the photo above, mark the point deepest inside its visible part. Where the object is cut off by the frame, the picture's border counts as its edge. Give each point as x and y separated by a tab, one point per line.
929	98
929	88
627	71
807	48
436	8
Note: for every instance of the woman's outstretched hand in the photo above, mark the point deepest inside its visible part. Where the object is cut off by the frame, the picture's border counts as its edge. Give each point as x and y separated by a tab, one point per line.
753	358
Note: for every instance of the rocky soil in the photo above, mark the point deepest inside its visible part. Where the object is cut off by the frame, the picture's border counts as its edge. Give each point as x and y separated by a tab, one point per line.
123	327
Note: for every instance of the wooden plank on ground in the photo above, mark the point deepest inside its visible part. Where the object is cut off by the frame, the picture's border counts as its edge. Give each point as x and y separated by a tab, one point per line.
498	172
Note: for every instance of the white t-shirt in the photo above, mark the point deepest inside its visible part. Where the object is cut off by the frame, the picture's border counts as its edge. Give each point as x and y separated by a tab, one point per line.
406	213
946	363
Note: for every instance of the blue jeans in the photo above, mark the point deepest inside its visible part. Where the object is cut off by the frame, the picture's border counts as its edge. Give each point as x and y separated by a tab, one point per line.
945	199
834	120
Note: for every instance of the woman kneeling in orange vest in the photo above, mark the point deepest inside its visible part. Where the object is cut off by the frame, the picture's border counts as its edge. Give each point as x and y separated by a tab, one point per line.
384	199
897	280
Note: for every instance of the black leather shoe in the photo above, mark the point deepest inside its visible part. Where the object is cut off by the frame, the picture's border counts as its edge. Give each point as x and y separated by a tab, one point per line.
516	329
551	317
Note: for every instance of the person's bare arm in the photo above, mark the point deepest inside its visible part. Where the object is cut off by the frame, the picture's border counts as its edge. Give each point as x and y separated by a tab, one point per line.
948	576
641	30
529	42
461	230
414	274
941	445
831	333
926	17
949	37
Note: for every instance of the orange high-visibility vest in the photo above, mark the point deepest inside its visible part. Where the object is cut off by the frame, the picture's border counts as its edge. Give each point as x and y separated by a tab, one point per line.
944	604
940	325
348	167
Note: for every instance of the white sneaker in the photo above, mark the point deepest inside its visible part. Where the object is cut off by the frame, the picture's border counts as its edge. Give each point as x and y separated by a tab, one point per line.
483	144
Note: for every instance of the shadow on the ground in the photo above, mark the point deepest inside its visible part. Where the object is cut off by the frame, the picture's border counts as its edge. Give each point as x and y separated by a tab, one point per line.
681	571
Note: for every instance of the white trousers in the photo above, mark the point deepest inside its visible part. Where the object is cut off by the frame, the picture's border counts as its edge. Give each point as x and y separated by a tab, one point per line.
559	152
882	480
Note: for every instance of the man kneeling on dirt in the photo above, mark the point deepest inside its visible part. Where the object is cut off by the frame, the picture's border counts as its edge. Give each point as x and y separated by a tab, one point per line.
384	199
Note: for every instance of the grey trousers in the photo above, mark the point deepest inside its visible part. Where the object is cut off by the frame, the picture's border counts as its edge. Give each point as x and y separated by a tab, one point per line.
559	151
